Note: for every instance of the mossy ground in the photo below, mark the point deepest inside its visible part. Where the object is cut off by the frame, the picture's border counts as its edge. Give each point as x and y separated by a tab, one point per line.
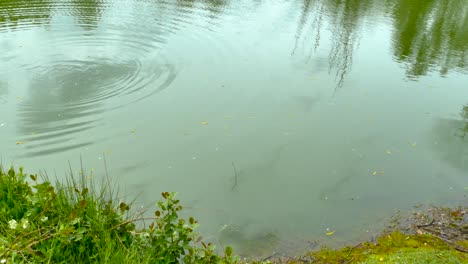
394	247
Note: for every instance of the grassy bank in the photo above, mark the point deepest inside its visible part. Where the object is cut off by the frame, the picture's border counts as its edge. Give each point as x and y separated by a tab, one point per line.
75	222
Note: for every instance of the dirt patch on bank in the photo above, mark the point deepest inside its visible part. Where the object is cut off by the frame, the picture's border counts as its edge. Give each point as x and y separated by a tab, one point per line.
447	224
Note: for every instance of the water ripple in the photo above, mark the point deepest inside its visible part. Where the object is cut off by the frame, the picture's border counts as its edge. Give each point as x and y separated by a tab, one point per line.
78	59
77	69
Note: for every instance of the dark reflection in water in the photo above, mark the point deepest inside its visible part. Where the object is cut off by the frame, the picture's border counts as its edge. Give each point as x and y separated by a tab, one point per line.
431	35
15	14
87	12
308	7
345	18
216	7
184	6
428	35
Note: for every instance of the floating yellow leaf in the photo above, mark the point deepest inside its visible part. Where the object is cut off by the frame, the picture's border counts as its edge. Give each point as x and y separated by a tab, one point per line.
19	142
377	172
204	123
330	233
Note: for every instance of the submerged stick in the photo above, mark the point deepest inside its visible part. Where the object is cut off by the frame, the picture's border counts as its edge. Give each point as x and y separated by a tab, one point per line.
235	176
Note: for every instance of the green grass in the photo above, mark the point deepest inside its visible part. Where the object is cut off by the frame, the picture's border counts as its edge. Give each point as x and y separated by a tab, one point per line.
73	222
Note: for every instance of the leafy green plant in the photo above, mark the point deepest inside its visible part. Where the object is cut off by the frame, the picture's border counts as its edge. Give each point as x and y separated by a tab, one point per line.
73	222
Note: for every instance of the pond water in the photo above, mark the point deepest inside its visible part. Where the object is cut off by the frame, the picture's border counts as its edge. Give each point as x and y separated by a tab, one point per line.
276	121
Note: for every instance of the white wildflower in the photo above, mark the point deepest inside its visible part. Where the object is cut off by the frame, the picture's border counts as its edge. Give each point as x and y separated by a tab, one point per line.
24	223
45	218
3	261
13	224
